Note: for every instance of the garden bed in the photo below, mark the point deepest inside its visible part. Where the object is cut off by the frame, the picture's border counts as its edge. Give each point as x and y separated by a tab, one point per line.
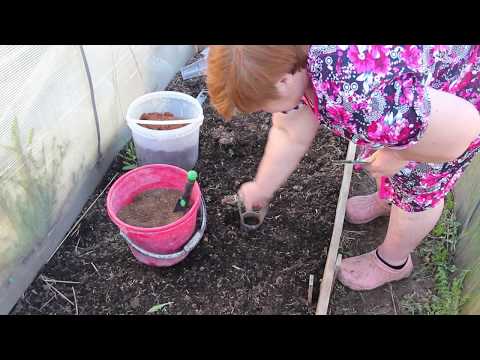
230	271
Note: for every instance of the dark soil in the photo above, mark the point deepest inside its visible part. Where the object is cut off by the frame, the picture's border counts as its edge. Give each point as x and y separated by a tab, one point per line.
230	271
152	208
160	116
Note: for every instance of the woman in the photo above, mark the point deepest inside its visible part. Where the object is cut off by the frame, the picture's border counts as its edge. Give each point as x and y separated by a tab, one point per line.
413	109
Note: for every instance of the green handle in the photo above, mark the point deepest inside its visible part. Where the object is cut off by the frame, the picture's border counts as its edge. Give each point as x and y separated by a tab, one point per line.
192	175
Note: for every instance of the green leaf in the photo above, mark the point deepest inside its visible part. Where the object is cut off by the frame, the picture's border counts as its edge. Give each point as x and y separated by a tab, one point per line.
129	167
159	307
30	137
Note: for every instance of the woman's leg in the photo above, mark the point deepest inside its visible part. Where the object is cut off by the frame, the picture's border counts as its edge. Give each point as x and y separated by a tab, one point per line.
392	262
406	231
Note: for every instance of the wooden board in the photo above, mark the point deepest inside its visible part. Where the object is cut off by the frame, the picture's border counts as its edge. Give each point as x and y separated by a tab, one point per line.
332	258
467	254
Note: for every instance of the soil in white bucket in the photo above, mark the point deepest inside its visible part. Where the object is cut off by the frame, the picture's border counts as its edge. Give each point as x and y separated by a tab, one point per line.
183	158
160	116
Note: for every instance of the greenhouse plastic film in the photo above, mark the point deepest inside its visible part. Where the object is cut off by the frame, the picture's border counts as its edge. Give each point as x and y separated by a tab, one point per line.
61	123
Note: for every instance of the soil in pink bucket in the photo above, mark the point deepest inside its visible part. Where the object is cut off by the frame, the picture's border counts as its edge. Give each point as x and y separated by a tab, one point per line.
152	208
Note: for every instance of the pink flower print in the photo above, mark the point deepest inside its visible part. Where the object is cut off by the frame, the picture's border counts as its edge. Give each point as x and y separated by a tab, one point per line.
462	83
453	180
339	114
412	55
406	96
339	65
431	179
375	130
445	87
404	134
474	144
435	53
437	48
382	65
473	55
337	132
389	97
360	59
351	128
424	198
411	165
357	167
330	88
476	101
379	131
381	61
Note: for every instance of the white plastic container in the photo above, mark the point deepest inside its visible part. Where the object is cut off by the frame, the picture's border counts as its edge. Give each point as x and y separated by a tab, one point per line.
198	68
177	147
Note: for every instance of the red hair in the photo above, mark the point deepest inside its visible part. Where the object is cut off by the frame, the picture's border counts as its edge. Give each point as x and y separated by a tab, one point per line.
243	77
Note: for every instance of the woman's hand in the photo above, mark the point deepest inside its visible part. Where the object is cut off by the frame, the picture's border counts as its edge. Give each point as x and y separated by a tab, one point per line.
252	196
384	162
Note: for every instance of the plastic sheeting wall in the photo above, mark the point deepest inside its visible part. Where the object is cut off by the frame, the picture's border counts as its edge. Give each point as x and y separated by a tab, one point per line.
467	203
61	123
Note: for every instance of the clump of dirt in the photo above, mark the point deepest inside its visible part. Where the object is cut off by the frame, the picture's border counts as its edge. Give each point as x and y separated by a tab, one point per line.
152	208
160	116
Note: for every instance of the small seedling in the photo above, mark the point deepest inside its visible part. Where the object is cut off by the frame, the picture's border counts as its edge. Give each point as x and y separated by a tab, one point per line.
159	307
129	157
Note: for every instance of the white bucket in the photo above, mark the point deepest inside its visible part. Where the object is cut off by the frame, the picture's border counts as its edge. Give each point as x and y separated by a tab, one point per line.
177	147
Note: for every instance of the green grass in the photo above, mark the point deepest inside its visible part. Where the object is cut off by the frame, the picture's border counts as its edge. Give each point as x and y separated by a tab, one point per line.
437	253
28	194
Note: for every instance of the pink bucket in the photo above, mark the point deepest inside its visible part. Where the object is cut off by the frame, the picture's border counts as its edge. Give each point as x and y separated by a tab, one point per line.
165	245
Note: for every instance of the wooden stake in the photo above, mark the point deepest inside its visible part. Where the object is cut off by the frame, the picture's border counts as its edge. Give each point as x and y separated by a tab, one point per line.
310	289
75	298
331	264
393	300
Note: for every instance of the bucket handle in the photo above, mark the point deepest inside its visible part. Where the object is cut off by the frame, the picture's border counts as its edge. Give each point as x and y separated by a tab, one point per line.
187	247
